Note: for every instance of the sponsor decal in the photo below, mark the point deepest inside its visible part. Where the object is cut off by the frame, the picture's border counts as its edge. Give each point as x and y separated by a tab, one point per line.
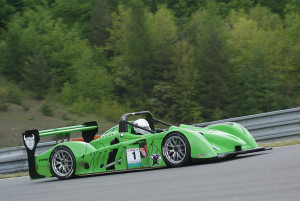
44	159
143	150
29	142
156	158
135	165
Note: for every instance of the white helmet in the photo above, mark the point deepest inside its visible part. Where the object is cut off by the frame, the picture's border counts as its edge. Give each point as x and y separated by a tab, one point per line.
142	123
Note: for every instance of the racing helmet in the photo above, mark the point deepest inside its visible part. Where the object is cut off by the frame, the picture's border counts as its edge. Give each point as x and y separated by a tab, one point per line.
142	123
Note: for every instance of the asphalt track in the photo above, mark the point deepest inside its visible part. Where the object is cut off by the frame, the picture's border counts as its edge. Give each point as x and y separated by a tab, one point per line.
271	175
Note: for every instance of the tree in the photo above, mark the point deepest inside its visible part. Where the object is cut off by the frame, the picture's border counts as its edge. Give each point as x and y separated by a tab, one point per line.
129	45
259	58
36	74
92	80
74	13
137	42
99	23
23	35
186	108
6	10
163	35
14	52
292	31
207	34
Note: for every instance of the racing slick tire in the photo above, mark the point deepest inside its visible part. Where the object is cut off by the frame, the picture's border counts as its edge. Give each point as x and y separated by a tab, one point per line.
176	150
62	163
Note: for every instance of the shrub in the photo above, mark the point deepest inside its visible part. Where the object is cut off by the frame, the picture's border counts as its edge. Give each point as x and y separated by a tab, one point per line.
112	110
26	107
13	96
47	110
67	96
4	107
31	118
10	96
83	106
66	118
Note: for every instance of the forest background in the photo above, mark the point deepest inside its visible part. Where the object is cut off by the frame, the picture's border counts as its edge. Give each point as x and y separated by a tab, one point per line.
186	61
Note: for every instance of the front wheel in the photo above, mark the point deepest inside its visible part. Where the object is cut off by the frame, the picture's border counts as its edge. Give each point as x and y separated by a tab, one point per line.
62	163
176	150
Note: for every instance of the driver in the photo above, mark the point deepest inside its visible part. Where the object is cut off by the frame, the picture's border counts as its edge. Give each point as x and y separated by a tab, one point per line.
142	123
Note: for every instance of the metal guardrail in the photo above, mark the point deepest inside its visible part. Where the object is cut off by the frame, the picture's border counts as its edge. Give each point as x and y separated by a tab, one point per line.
270	126
14	159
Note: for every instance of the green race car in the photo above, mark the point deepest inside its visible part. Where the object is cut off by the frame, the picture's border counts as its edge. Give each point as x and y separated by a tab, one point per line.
134	145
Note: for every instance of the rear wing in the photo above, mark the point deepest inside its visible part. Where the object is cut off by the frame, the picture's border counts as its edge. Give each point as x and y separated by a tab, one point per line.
32	137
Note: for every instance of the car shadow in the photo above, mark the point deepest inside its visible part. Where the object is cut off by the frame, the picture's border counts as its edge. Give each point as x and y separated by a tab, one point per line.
102	174
193	163
223	160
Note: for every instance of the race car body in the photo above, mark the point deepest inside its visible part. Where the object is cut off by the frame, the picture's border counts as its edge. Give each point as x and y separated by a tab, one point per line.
122	148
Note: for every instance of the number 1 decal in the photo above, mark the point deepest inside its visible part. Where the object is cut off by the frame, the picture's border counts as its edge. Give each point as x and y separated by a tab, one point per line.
133	153
133	157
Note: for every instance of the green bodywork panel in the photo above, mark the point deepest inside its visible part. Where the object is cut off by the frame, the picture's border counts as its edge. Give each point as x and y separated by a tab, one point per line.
115	151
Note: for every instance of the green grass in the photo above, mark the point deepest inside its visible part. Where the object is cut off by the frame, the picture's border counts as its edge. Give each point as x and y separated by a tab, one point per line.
29	115
280	143
15	174
17	120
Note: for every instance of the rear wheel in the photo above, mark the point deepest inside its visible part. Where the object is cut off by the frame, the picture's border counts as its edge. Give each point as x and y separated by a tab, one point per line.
176	150
62	163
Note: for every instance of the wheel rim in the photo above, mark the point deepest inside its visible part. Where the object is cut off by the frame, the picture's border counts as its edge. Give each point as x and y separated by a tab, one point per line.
175	149
62	163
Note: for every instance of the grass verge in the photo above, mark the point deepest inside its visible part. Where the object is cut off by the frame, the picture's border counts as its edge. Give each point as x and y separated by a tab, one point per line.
15	174
280	143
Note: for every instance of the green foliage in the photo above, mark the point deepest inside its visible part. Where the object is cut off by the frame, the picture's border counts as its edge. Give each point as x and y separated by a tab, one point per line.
276	6
13	96
74	12
14	55
207	34
36	74
91	78
129	43
112	110
47	110
6	10
25	107
4	107
184	60
66	117
10	95
185	106
67	95
163	34
293	6
82	106
99	23
261	60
